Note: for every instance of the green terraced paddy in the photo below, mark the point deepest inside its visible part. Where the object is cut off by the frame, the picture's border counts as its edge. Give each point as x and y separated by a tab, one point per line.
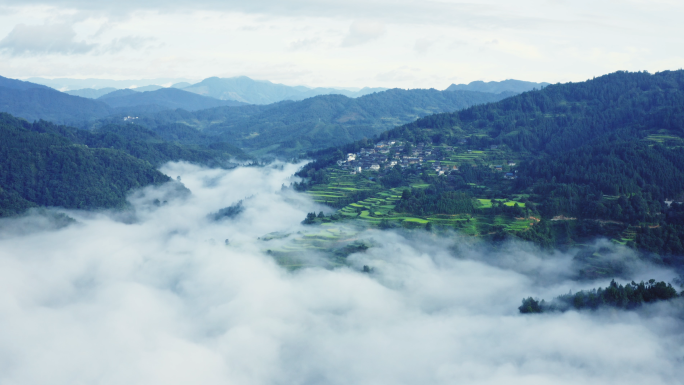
381	203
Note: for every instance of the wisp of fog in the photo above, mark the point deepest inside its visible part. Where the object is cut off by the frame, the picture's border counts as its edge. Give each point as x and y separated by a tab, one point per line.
155	295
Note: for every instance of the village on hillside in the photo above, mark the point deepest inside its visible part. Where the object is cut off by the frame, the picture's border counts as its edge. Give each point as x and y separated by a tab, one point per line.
441	159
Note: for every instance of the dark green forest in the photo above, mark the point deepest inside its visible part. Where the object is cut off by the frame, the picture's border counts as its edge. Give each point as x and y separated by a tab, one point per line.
45	169
293	128
45	164
629	296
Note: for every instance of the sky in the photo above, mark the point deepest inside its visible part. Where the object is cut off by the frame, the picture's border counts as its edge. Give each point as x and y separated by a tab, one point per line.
155	296
340	43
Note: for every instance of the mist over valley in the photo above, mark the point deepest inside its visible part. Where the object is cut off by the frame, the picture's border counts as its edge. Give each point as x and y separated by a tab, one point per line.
161	293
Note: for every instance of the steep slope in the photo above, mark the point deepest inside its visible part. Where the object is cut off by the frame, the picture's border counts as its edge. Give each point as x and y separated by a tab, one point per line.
170	98
32	102
510	85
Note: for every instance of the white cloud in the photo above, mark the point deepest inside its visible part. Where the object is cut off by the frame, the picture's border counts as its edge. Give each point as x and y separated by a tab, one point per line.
361	32
43	39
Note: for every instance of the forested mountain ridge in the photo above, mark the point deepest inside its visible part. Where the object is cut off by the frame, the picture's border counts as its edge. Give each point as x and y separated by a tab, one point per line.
557	165
286	128
564	116
148	145
292	128
50	165
45	169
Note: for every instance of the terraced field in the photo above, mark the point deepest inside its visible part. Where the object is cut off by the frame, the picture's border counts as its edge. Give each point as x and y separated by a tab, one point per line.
381	207
358	197
342	188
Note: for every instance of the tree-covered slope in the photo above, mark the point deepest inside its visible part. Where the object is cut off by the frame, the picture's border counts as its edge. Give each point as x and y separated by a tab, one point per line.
292	128
148	145
565	116
558	165
44	169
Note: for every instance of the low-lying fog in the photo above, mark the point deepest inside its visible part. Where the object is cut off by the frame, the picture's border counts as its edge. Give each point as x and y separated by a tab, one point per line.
157	297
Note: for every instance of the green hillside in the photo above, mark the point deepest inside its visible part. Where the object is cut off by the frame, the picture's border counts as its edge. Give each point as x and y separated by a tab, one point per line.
556	166
45	169
50	165
292	128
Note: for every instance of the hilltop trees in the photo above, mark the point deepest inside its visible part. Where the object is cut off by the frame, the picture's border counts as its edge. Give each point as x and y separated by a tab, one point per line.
629	296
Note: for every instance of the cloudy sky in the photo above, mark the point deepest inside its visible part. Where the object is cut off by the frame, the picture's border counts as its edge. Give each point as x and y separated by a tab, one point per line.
351	43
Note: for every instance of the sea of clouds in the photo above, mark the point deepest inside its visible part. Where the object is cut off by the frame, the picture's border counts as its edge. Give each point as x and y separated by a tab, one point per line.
155	296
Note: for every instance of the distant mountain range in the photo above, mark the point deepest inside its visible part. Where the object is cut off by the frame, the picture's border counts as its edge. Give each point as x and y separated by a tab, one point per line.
244	89
240	89
34	102
68	84
286	128
510	85
304	118
292	128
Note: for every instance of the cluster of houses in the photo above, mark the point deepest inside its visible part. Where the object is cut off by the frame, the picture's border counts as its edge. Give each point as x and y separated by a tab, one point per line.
387	154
